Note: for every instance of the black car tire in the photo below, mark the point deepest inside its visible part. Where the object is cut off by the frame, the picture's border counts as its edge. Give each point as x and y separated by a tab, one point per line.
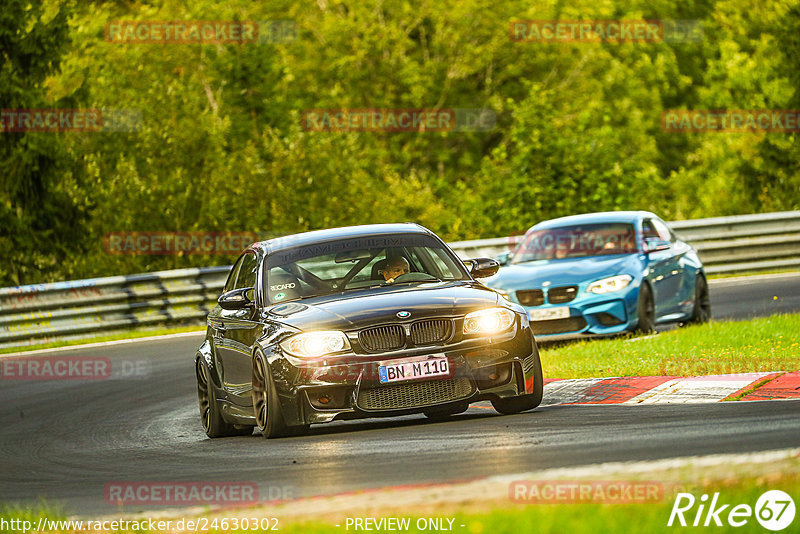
646	310
266	407
210	415
526	402
702	301
444	413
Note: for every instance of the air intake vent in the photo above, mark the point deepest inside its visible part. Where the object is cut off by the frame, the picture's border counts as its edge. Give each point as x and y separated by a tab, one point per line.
414	395
558	326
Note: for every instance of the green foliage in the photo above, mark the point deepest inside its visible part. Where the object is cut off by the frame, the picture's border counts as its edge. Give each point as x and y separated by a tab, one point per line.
40	218
221	146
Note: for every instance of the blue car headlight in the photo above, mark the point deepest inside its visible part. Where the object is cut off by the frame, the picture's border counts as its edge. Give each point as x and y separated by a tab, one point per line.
609	285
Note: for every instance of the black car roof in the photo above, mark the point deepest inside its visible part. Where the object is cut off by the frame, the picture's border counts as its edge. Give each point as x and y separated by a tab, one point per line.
335	234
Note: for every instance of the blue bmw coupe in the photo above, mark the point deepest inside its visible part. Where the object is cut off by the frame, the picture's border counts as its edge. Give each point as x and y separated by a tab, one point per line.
604	273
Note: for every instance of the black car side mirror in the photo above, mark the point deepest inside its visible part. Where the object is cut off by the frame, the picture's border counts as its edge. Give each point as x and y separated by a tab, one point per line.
236	299
482	267
654	244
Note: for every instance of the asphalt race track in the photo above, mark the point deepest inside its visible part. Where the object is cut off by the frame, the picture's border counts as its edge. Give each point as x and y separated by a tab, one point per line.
756	296
65	440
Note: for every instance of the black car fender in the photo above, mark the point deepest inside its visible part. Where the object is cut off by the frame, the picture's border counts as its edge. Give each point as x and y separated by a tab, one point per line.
206	353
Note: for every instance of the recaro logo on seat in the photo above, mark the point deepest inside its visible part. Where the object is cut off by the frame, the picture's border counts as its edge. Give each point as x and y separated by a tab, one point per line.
280	287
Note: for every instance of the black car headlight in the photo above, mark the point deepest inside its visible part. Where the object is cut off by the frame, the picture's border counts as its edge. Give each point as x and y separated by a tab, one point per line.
488	322
316	344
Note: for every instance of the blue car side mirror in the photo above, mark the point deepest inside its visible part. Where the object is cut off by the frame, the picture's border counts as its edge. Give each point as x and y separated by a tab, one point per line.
654	244
504	257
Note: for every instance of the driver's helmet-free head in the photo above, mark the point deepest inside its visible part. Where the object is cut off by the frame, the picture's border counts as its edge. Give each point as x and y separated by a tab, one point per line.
395	267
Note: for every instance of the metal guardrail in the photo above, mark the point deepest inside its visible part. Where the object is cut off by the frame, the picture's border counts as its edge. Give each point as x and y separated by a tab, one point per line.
41	313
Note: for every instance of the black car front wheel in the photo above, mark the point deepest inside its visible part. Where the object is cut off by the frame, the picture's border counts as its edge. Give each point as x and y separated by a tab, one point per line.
269	418
210	415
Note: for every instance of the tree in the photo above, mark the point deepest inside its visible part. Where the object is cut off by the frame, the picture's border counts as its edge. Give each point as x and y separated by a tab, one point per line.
40	218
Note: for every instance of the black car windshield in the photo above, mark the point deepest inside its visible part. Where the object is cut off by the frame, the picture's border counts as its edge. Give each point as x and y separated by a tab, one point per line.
577	241
372	261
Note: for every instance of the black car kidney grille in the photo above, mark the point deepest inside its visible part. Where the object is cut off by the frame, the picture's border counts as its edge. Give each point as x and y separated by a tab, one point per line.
391	337
415	394
560	295
431	332
531	297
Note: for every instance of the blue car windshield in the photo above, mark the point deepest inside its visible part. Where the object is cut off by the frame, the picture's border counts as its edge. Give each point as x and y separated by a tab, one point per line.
577	241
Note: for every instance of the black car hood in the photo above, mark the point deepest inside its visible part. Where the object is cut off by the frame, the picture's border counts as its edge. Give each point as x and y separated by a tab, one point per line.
360	308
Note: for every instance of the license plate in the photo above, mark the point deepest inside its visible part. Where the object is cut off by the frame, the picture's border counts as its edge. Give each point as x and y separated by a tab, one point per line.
547	314
413	369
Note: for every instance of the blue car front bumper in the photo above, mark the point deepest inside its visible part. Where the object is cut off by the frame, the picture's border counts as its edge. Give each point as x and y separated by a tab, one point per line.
587	314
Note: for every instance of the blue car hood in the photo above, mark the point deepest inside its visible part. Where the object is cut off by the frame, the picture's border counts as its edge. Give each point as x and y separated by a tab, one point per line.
532	275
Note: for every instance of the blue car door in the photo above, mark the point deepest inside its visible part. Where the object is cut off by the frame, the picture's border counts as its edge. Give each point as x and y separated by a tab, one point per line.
667	271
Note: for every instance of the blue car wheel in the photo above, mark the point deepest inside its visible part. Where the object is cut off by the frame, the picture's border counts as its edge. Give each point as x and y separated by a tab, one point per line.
646	310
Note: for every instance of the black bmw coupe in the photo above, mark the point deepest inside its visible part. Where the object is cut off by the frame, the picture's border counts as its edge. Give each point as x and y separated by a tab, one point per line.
363	321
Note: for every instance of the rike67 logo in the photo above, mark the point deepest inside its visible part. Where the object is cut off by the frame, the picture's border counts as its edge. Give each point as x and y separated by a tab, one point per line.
774	510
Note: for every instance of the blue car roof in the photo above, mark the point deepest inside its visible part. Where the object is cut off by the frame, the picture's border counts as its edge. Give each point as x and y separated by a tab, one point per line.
599	217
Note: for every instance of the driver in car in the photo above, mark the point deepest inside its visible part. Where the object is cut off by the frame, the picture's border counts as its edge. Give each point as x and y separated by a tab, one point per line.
396	266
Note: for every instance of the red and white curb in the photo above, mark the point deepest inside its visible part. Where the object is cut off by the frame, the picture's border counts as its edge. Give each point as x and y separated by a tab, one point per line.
673	389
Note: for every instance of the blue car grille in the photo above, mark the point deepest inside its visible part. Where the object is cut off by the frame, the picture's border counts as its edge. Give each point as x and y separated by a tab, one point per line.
555	295
531	297
560	295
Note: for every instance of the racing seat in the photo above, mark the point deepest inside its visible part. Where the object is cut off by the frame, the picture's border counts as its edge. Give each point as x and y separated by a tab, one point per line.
282	286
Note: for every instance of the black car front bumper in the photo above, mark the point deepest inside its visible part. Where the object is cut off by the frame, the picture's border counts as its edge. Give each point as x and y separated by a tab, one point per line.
348	387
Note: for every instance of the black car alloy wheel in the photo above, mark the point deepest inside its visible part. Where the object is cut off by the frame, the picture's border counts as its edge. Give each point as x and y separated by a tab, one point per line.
269	418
